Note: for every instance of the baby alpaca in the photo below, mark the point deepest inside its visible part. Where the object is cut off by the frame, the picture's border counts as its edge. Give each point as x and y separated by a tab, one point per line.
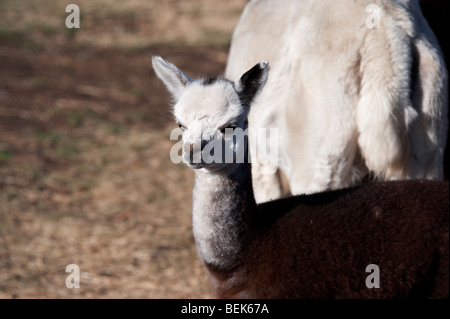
308	246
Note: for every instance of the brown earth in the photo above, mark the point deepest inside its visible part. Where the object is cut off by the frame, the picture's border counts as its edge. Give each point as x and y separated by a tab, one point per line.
87	178
85	172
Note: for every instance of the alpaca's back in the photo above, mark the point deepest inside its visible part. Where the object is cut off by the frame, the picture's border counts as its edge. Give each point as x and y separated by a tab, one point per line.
319	246
348	98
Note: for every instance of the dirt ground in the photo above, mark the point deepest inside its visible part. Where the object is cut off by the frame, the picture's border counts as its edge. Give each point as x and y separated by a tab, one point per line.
85	173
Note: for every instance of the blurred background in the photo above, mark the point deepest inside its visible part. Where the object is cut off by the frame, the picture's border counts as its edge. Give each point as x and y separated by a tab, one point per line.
85	172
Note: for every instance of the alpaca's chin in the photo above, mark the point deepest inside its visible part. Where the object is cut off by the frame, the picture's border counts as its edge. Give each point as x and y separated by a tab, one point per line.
196	165
210	168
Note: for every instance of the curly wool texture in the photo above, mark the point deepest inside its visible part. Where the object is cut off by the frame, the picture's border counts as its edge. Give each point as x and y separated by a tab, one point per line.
318	246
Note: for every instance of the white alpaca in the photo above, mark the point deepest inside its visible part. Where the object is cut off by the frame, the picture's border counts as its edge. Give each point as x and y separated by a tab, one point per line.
353	93
308	246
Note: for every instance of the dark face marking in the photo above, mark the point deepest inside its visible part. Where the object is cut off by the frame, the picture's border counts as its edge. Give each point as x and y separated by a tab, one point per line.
213	80
209	81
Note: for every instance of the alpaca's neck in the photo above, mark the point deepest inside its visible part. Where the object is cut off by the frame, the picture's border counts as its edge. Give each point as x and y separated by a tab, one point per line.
223	208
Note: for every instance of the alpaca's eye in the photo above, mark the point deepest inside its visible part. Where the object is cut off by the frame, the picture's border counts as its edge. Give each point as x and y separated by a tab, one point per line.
181	127
230	127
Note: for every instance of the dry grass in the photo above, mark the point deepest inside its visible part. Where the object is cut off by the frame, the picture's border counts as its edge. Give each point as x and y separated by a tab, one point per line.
134	23
85	173
118	211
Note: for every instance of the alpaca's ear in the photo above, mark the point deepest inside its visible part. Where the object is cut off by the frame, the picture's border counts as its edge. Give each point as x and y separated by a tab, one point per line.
252	82
174	79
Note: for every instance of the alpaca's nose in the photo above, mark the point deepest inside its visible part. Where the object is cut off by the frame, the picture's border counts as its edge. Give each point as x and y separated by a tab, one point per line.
193	149
202	145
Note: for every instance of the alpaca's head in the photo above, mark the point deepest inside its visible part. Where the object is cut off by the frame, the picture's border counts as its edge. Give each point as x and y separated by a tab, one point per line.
212	113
